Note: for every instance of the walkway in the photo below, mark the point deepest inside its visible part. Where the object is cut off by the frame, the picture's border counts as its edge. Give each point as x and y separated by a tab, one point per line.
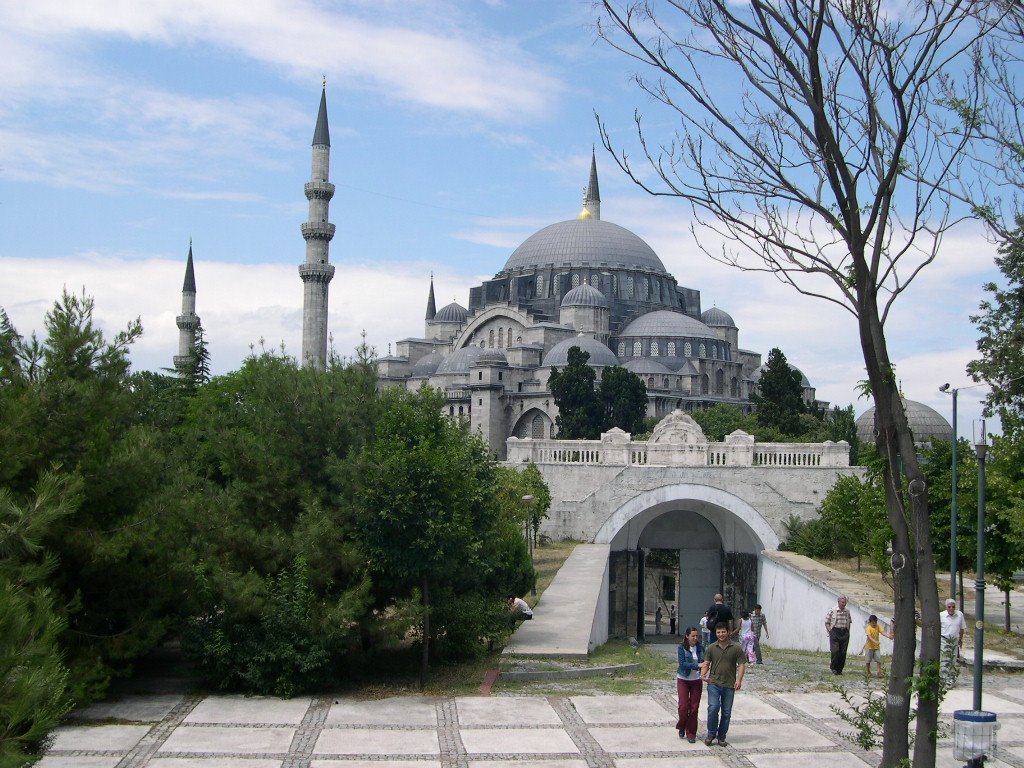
769	730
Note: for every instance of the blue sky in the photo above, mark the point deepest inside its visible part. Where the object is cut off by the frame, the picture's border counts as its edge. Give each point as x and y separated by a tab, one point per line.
457	129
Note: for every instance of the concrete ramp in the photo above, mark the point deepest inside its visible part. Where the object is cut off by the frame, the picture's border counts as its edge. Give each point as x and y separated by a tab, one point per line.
571	618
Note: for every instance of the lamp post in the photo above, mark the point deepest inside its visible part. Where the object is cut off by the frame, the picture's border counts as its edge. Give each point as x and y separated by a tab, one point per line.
980	449
528	500
952	504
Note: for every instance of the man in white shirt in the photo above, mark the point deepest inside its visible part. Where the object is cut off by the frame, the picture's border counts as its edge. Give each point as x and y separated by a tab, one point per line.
953	627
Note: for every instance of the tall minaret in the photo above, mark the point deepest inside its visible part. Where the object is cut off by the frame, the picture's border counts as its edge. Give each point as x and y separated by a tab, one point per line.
592	198
316	272
188	320
431	305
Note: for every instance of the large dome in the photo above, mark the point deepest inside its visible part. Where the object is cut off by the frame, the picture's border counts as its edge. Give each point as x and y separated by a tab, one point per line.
925	422
600	355
662	322
584	242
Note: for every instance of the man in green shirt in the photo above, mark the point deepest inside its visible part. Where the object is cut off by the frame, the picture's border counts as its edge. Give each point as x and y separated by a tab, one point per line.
726	666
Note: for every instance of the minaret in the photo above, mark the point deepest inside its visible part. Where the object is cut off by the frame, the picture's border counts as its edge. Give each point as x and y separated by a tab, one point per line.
188	320
431	306
316	272
592	199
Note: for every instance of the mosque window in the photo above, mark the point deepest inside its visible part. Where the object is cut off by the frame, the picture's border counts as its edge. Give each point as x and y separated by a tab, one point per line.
705	384
638	349
666	382
650	382
509	337
655	351
657	290
451	410
499	375
622	349
714	351
501	338
537	427
540	286
575	280
629	286
611	283
719	382
479	375
490	339
734	387
644	289
687	350
703	351
460	410
482	343
671	349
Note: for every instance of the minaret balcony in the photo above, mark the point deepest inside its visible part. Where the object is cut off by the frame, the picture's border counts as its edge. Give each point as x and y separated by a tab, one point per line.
317	273
312	230
319	190
188	322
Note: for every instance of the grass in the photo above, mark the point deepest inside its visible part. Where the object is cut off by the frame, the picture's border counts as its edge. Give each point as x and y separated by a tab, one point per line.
547	559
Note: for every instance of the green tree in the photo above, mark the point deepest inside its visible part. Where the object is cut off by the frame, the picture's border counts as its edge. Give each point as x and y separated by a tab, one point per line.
779	396
580	410
723	419
430	525
820	169
841	424
624	396
1004	531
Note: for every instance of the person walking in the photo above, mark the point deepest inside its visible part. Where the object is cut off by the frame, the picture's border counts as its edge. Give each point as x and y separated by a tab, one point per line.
705	631
758	622
671	619
837	626
953	624
746	637
724	672
872	645
719	611
689	685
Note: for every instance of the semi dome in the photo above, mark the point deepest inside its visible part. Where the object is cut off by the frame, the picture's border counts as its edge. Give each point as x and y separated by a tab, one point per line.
584	243
585	296
717	318
491	357
600	355
645	365
926	423
662	322
452	313
460	360
427	365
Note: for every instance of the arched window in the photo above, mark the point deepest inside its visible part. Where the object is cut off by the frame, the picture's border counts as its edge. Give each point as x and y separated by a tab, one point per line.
460	410
703	351
687	350
501	338
671	349
540	286
720	382
638	349
645	289
734	387
575	280
629	286
482	343
451	410
666	382
509	337
654	349
650	382
537	427
705	384
714	351
622	349
490	338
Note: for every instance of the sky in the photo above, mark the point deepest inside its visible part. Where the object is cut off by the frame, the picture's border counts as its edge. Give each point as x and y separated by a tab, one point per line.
129	130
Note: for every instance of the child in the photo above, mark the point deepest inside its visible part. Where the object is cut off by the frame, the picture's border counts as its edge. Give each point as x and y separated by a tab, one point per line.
705	632
746	636
872	646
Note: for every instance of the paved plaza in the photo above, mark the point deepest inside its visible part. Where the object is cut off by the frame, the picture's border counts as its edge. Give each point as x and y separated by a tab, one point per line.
769	730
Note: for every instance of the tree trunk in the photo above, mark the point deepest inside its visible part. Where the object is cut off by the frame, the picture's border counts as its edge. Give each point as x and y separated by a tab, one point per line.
1006	604
912	562
425	656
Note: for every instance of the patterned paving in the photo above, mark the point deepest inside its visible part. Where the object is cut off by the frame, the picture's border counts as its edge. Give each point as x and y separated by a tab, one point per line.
603	731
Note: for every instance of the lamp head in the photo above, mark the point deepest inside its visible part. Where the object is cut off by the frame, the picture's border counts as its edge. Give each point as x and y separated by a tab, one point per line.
944	387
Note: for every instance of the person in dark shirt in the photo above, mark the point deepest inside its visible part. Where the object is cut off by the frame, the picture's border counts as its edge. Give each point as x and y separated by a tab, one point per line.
719	611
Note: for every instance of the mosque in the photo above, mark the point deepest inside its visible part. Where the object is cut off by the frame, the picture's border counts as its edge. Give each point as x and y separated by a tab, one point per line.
584	282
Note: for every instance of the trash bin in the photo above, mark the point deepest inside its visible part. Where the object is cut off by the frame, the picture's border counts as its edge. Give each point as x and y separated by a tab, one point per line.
974	734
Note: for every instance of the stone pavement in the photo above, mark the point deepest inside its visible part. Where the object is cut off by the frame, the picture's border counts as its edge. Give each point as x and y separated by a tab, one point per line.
769	730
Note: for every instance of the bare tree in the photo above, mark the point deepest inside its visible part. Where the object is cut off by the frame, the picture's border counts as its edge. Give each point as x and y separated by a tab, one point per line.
801	141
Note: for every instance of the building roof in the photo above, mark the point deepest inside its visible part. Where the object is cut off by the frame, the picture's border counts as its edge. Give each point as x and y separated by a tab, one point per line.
717	318
452	313
585	296
663	322
427	365
925	422
645	365
600	355
584	243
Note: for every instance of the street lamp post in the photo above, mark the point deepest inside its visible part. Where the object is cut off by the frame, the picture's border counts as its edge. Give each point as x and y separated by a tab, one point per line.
980	449
528	500
952	505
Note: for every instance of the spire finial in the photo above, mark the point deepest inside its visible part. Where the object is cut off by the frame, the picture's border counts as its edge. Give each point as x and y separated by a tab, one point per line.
592	196
323	82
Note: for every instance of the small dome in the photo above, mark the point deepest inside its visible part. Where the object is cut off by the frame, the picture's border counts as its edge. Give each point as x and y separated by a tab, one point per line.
460	360
646	366
585	296
717	318
585	242
600	355
452	313
427	365
491	357
663	322
925	422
